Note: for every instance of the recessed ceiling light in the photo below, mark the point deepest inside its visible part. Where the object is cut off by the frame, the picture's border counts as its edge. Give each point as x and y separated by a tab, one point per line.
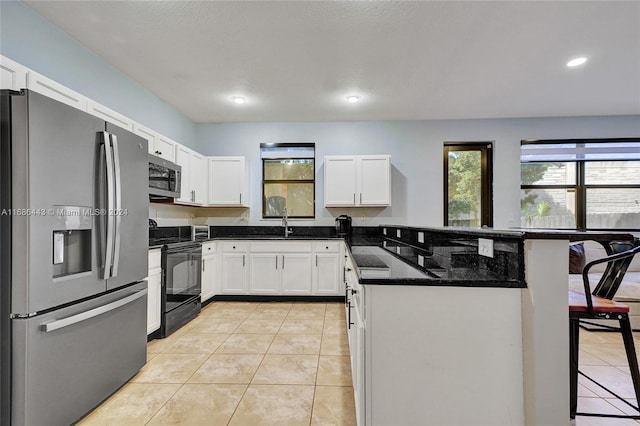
577	61
239	99
353	99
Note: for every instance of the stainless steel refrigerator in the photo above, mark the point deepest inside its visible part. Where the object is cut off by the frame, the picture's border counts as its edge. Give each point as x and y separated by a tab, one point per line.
73	259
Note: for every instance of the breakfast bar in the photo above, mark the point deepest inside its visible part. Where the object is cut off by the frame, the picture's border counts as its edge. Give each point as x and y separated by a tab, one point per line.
461	326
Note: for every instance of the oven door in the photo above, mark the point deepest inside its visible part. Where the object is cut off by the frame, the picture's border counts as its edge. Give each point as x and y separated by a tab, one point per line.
182	265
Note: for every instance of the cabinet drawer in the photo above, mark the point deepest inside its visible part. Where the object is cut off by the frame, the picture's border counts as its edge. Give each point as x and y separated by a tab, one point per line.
231	247
327	246
208	248
280	247
155	259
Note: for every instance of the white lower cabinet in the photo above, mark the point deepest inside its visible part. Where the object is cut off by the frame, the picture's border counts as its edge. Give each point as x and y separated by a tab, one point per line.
280	268
234	273
285	268
327	268
208	279
264	274
356	336
154	291
296	275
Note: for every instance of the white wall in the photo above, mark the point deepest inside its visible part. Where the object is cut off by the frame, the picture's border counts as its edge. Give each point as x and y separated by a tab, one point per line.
416	155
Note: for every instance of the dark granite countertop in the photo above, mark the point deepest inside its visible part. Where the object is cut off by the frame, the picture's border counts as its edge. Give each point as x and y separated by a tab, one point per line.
377	266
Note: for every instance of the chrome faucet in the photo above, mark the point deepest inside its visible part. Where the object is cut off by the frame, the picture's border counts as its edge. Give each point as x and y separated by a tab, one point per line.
285	223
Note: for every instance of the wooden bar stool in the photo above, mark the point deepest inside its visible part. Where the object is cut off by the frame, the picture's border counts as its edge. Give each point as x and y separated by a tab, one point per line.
600	306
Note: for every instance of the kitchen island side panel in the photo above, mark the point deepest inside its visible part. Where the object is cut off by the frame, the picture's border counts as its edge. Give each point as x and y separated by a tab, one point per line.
443	355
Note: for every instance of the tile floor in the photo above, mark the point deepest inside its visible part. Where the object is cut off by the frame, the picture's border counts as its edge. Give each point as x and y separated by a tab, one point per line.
602	357
241	363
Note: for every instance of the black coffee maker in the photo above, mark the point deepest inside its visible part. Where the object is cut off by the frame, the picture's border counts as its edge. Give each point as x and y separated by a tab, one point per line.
343	226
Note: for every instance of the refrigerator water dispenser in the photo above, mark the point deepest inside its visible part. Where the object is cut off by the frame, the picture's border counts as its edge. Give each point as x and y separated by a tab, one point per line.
71	241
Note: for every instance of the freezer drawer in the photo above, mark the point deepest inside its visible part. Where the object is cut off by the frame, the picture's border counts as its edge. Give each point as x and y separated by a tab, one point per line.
67	361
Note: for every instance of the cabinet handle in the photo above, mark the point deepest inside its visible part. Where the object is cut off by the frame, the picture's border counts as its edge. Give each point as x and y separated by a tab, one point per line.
283	261
203	262
316	260
240	198
243	260
361	198
349	323
354	198
276	263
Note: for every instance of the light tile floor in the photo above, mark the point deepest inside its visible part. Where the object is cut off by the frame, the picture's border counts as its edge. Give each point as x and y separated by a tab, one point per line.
241	363
603	358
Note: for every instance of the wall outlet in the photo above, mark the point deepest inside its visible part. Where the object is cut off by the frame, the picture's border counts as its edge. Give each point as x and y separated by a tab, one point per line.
485	247
398	233
384	231
421	237
421	260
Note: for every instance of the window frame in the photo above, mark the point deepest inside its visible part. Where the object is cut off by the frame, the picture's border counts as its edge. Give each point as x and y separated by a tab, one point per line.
486	170
580	187
286	181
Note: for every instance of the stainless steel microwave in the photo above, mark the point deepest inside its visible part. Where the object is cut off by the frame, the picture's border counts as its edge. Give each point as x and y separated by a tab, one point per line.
164	178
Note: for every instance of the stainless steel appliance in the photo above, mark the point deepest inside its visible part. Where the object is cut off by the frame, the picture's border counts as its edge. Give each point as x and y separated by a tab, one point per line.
164	178
181	275
73	234
200	232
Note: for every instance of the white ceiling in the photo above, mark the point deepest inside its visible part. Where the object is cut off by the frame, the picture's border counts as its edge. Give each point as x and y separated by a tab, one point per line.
298	60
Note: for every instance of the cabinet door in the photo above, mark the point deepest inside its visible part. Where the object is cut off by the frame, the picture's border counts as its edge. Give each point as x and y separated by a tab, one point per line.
208	277
326	274
358	366
339	181
13	76
198	178
41	84
227	182
165	148
374	180
154	284
149	135
296	273
234	273
264	273
183	159
109	115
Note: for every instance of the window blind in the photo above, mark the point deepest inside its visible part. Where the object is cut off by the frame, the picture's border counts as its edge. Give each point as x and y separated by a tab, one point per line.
580	150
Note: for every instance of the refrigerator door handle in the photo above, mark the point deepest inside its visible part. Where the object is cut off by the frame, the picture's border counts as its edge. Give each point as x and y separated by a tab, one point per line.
108	257
117	212
92	313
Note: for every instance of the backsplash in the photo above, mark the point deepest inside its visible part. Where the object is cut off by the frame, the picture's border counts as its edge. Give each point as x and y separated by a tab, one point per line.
449	254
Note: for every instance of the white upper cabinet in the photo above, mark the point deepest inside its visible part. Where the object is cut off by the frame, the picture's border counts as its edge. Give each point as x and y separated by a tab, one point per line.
374	180
165	148
340	181
12	75
107	114
41	84
193	185
227	182
198	178
357	181
158	145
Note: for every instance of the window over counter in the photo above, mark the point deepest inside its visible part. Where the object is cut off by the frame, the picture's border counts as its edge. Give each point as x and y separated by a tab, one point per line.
580	184
288	180
468	183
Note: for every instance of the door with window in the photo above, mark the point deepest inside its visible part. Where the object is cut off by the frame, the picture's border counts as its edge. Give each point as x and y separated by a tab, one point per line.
468	184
